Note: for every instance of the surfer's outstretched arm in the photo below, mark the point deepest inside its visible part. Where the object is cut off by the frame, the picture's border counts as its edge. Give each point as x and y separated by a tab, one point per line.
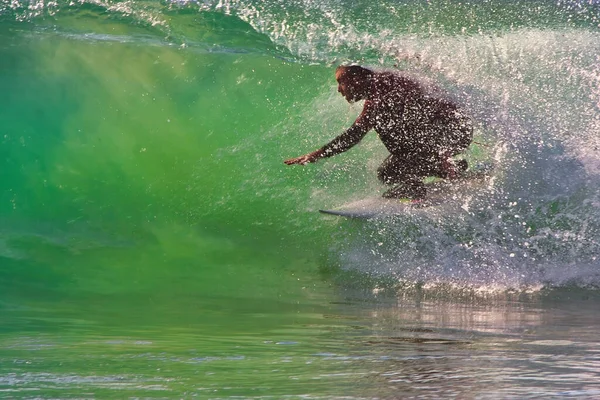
343	142
305	159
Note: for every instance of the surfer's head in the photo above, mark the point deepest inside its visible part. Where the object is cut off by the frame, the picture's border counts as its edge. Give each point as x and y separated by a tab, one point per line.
354	82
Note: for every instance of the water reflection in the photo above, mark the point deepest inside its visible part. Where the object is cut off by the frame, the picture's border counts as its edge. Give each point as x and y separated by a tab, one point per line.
496	346
420	344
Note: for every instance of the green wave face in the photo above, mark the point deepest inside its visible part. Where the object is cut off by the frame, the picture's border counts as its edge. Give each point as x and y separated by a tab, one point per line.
145	125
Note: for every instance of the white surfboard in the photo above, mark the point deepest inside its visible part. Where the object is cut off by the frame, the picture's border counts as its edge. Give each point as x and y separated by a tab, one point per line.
438	193
371	208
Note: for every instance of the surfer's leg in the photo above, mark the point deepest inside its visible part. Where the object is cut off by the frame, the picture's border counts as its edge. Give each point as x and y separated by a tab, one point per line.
390	171
456	135
405	174
409	189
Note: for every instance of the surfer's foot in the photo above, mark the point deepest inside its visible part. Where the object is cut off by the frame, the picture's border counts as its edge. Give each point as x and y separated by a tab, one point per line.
414	191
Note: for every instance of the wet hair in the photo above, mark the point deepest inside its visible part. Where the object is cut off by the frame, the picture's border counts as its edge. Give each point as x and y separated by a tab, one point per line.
355	71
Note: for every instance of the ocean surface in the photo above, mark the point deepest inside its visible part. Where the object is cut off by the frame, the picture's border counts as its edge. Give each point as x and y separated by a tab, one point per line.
153	245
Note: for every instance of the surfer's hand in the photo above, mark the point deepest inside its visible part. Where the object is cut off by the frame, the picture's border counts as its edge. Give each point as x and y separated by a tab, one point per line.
302	160
305	159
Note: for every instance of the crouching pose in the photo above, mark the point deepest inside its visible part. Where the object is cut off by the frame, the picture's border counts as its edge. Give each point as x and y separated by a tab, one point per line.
421	130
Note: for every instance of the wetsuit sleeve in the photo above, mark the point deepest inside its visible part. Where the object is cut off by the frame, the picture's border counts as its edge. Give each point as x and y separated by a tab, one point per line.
344	142
351	136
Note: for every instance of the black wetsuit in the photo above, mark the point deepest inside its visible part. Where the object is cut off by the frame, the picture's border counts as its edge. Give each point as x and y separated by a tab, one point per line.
420	130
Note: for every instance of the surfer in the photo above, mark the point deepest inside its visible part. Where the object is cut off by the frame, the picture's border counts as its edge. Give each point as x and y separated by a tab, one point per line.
422	130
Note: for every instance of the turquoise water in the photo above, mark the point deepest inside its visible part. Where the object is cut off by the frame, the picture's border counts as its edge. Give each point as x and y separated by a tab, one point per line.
154	245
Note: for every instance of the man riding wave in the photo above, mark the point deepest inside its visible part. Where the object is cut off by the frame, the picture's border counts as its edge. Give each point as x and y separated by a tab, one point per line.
421	130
